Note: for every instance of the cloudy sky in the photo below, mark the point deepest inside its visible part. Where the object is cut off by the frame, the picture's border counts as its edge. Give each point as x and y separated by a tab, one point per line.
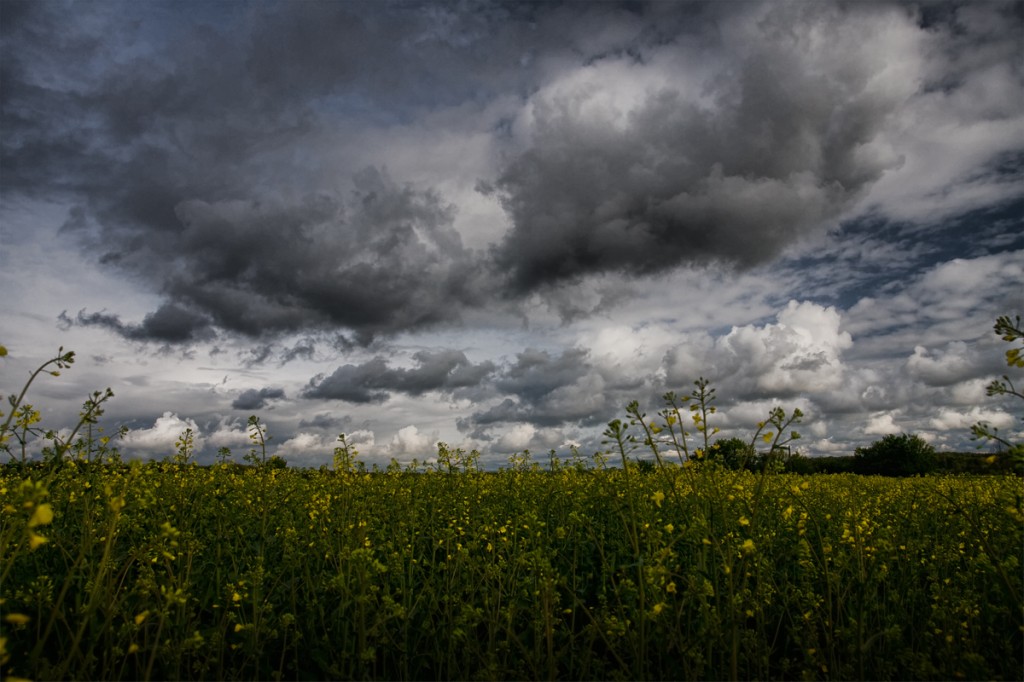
494	224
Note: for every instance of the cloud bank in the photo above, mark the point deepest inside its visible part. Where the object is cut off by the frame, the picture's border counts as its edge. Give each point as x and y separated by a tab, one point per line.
215	175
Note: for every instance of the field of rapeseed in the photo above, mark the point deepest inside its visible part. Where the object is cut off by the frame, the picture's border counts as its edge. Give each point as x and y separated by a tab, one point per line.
174	571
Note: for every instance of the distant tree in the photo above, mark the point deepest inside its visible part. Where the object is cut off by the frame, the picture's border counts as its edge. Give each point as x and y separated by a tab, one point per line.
645	466
896	455
972	463
801	464
733	453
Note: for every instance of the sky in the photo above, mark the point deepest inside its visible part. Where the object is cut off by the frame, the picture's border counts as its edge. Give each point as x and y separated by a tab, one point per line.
495	224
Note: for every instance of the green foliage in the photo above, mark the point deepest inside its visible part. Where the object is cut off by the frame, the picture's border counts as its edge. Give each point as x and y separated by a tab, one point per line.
778	440
645	466
976	463
732	453
699	404
896	455
156	571
345	456
257	455
185	446
701	407
25	417
1010	331
92	410
822	465
668	568
454	460
277	462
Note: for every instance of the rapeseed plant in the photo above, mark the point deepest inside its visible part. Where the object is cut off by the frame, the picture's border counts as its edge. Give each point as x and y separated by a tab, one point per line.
685	571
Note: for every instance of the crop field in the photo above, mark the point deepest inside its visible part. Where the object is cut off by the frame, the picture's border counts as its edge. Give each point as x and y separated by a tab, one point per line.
176	571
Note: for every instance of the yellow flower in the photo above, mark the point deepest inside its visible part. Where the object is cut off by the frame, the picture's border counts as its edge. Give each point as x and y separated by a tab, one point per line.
669	528
744	521
133	647
35	540
235	597
748	546
17	618
141	617
658	498
670	588
41	516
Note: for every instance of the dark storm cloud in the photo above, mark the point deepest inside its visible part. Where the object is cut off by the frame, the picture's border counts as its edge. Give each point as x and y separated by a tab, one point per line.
173	161
775	145
303	349
550	390
170	323
186	136
196	144
326	422
138	106
536	373
212	80
374	381
351	383
387	259
253	399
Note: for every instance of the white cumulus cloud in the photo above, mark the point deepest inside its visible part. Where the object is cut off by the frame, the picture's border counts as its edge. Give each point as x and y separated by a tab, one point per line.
800	353
159	439
881	425
410	442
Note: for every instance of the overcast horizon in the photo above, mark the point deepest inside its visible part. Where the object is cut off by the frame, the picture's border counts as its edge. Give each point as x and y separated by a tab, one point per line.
494	224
